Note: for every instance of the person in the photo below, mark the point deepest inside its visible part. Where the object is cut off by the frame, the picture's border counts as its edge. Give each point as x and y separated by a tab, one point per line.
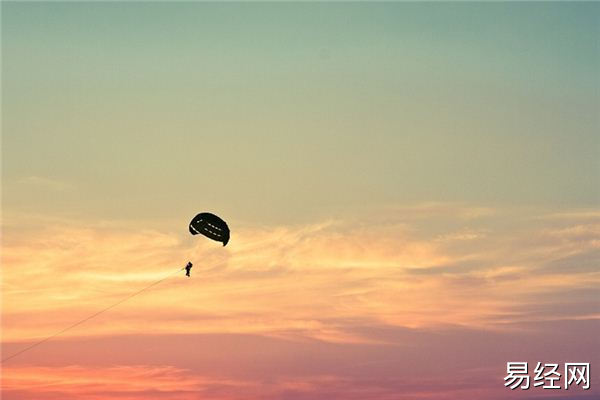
188	267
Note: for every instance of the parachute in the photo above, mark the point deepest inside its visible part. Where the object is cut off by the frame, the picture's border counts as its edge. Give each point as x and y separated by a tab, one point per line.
210	226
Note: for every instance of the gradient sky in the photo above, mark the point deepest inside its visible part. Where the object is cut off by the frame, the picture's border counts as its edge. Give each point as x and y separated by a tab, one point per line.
413	191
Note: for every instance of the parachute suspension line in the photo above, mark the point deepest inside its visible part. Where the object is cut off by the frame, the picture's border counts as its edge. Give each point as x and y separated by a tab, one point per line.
91	316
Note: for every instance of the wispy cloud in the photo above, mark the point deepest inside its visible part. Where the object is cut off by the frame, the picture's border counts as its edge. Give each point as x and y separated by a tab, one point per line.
45	183
439	284
450	363
295	278
122	382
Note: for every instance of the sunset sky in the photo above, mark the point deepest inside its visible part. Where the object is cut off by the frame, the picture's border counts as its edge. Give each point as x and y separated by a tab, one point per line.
413	192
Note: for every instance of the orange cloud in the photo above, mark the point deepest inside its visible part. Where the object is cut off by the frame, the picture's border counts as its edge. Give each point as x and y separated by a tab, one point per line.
131	382
296	280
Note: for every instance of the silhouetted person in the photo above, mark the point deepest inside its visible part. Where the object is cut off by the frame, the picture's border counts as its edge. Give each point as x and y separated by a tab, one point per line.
188	267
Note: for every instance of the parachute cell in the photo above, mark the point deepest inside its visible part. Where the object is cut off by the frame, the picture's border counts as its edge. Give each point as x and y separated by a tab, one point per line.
210	226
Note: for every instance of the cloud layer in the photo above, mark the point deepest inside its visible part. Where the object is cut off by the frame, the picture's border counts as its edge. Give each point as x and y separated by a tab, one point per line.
411	302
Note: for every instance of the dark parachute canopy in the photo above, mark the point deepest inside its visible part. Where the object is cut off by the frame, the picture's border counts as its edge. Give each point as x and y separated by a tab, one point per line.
210	226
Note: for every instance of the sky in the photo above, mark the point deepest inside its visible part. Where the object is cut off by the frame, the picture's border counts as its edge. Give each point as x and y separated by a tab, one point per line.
412	190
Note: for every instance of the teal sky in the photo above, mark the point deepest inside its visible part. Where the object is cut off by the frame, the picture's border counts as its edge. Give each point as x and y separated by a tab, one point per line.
285	112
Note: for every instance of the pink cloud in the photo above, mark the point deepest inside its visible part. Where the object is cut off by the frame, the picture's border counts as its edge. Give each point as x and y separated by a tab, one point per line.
336	309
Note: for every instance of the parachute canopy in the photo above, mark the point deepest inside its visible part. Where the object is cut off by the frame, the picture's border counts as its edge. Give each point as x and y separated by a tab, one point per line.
210	226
